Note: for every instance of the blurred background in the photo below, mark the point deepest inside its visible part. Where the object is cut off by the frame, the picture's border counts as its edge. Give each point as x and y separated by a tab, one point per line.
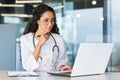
79	21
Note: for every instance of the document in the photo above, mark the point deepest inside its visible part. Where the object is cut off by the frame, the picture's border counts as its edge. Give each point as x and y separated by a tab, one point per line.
22	74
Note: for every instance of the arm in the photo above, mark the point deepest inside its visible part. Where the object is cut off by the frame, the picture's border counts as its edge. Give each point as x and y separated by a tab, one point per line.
62	59
42	39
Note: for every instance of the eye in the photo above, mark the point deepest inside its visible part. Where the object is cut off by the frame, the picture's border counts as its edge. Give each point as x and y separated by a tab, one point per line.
45	20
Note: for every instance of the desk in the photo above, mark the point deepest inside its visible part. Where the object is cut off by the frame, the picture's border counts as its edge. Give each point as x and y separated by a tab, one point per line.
45	76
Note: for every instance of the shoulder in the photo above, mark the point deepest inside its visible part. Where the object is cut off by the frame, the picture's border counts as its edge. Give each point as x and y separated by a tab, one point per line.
26	36
56	36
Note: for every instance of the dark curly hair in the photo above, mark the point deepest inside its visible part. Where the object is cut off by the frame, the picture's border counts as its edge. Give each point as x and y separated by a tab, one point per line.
32	25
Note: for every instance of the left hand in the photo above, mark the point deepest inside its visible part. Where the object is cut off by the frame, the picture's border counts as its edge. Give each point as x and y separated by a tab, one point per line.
65	68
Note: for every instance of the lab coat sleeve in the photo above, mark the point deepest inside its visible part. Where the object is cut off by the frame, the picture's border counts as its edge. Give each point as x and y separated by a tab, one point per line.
28	61
62	59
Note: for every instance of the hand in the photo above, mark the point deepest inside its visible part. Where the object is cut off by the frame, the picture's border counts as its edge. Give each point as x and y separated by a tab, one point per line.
65	68
43	38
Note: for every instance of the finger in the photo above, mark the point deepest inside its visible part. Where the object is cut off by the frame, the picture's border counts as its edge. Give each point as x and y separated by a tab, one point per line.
66	68
47	33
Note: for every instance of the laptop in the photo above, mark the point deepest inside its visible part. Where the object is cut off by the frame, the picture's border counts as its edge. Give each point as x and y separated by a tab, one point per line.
91	58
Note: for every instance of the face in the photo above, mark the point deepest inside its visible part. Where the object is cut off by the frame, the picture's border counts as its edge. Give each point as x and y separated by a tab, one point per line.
46	22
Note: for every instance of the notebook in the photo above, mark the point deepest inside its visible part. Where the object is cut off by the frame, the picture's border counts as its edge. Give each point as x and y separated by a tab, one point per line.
91	58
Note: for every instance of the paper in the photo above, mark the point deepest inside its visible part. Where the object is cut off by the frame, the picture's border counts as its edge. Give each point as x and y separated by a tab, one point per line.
22	74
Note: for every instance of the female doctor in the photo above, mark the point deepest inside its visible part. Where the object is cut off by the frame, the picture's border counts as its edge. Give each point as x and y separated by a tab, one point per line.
42	48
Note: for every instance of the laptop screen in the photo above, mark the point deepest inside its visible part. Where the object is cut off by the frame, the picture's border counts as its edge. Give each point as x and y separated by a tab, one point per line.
92	58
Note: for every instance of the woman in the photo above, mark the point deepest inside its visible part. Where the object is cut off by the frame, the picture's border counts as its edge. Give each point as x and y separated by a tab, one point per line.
42	48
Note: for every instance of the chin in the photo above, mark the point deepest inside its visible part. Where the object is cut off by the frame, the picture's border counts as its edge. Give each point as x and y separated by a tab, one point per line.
48	31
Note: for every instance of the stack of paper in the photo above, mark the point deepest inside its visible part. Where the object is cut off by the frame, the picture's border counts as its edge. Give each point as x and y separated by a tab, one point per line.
22	74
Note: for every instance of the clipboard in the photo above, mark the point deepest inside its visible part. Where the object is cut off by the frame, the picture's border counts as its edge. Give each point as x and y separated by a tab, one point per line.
22	74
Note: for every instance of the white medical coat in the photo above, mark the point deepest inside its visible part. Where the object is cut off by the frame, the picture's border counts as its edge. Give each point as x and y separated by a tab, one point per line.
28	61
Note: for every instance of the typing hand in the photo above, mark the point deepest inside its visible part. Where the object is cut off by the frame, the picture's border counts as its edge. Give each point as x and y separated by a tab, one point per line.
65	68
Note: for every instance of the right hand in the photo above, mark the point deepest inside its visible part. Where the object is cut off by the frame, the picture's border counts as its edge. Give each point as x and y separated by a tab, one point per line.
43	38
65	68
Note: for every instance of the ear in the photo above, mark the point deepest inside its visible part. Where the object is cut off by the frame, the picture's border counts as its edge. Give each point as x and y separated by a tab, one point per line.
38	21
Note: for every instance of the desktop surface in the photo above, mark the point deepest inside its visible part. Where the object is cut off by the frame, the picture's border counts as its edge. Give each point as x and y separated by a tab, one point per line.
46	76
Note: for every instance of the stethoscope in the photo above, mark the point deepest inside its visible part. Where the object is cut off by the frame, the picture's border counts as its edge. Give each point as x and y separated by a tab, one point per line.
53	50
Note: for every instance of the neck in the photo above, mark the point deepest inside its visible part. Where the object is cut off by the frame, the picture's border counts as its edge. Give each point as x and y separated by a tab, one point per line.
38	32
